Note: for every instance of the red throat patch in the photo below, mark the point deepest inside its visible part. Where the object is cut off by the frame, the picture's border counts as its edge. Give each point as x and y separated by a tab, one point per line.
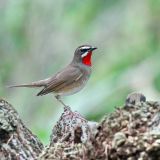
87	59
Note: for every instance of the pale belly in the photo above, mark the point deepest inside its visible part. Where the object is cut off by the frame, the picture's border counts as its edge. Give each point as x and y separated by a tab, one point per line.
72	88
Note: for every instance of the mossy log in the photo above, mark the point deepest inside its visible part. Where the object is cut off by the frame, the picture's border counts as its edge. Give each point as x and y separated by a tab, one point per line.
131	132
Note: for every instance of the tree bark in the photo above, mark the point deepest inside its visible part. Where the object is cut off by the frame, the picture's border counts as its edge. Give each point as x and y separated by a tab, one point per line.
16	141
131	132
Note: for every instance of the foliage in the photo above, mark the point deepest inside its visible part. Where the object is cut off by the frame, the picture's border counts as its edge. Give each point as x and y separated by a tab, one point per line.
38	37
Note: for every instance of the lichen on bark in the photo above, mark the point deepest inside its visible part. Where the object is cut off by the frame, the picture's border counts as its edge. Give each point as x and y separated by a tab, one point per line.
16	141
131	132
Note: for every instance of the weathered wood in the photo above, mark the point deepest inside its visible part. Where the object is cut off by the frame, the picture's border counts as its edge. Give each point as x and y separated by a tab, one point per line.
16	141
131	132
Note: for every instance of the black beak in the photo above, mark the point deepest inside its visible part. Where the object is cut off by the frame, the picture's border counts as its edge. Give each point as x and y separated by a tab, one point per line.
93	48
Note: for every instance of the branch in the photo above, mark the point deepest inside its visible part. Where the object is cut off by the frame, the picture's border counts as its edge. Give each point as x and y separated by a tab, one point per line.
16	141
130	132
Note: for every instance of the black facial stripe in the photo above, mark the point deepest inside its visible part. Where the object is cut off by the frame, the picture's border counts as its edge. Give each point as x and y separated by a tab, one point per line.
84	50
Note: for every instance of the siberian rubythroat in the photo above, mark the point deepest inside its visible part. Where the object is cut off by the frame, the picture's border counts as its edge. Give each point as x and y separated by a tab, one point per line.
69	80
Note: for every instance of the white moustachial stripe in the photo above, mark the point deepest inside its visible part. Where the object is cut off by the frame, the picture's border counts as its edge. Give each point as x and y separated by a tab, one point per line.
84	54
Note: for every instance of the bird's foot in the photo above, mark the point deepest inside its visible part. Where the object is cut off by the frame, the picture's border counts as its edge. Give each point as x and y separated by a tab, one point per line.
67	108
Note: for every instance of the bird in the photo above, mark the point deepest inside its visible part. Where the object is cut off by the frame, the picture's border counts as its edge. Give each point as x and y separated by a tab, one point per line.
69	80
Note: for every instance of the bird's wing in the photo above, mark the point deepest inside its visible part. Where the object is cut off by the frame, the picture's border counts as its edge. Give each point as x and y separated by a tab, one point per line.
61	79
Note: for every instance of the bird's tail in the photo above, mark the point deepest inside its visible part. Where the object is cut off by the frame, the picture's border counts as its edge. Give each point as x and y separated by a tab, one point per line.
40	83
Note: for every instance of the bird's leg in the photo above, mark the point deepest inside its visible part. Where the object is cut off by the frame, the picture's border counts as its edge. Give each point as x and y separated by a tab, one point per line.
65	106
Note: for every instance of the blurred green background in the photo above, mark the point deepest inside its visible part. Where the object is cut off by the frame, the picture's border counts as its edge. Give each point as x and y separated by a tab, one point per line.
38	37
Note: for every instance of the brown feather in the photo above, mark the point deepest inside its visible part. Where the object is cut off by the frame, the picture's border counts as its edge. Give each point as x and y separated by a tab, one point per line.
62	79
40	83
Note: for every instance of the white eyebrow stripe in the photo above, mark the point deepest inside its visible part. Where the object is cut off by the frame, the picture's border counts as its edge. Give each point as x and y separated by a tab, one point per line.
84	54
85	47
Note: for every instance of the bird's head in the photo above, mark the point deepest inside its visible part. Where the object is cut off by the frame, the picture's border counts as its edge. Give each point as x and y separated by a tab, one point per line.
83	54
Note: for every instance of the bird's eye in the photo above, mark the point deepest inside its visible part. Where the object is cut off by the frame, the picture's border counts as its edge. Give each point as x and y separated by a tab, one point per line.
84	50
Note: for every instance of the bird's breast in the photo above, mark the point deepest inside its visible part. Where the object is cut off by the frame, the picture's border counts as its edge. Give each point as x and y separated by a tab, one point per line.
76	86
